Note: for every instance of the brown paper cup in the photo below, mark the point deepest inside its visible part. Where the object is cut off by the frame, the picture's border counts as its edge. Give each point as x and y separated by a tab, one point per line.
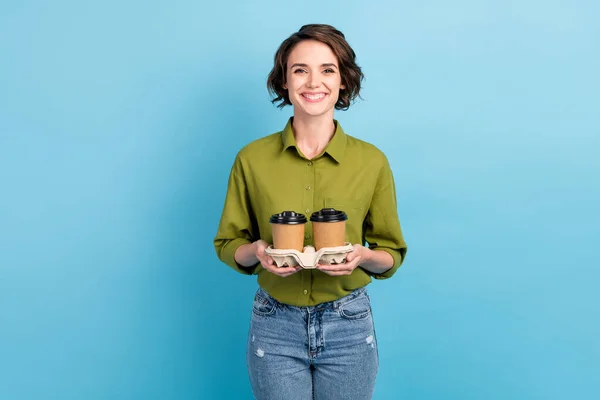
287	237
288	230
329	234
329	228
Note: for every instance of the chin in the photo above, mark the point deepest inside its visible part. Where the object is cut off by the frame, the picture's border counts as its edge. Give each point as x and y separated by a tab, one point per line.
314	111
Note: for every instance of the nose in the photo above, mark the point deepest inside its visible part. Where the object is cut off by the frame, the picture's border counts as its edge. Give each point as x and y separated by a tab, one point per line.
313	81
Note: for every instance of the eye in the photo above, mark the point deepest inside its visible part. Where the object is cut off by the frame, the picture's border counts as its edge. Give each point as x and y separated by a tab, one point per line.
329	71
299	71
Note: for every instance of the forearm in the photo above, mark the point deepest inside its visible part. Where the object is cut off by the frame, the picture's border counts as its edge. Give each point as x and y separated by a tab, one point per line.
376	261
245	255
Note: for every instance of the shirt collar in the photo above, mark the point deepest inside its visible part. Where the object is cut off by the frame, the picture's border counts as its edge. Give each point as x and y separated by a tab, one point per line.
335	148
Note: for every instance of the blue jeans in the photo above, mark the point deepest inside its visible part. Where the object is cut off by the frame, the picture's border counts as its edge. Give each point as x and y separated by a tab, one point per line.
322	352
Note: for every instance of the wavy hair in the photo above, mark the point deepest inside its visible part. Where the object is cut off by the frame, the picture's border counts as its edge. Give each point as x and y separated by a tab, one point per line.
350	72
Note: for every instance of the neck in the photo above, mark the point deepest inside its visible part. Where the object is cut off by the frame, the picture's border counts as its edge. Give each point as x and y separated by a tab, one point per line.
313	133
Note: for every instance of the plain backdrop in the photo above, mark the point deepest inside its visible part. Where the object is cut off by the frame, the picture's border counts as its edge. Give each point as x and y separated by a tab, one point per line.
120	120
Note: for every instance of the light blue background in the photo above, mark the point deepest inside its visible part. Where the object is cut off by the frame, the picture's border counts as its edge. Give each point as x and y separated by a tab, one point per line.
119	122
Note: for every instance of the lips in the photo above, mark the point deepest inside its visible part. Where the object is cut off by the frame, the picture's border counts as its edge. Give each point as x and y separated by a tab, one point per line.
314	97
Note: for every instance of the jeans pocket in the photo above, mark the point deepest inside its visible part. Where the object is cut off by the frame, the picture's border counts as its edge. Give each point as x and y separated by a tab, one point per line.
263	306
356	309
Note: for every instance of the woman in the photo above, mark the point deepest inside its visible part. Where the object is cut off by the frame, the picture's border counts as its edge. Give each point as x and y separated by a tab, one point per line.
311	332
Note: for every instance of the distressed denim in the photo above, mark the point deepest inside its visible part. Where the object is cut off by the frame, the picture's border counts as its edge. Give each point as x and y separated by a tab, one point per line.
323	352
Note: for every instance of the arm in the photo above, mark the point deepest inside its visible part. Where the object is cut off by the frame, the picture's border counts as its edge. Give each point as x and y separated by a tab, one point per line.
237	242
252	253
245	255
382	227
376	261
236	227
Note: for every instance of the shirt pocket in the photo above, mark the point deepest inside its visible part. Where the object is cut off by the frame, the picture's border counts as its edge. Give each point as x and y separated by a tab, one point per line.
356	210
352	206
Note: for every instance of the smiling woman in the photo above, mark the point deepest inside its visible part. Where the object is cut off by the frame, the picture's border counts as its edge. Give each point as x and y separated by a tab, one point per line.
314	89
312	43
311	332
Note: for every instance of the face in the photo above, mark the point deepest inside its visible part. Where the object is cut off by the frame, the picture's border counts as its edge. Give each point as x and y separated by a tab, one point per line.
313	79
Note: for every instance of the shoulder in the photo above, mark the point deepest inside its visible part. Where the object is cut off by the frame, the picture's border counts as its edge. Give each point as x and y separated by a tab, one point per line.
365	150
260	148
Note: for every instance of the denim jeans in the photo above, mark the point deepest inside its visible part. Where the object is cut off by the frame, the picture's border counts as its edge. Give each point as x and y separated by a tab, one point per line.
322	352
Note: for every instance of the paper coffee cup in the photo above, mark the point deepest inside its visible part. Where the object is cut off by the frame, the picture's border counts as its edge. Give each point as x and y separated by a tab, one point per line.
329	228
288	230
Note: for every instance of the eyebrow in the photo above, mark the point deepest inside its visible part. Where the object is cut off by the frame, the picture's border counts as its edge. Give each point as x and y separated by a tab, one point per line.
306	66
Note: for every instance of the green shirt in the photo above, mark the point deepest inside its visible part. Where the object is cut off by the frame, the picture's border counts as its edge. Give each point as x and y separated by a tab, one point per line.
271	175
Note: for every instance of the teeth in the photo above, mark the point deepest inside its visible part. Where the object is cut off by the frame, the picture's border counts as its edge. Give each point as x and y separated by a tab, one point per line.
314	97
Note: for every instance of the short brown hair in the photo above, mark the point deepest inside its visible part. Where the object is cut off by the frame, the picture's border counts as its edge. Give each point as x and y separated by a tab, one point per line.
350	72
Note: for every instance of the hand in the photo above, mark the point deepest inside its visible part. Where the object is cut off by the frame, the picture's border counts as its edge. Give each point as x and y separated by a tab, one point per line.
267	262
353	259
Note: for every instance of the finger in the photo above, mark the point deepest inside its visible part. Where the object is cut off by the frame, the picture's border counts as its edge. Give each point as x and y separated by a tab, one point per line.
336	270
260	252
333	266
292	272
271	267
283	271
353	255
329	267
347	265
353	263
337	273
268	261
267	264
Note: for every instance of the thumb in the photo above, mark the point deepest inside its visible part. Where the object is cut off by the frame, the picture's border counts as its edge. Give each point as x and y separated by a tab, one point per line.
351	256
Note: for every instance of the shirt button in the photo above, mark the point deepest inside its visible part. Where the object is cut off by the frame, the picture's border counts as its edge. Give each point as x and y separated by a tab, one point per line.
307	187
308	211
309	163
305	291
307	236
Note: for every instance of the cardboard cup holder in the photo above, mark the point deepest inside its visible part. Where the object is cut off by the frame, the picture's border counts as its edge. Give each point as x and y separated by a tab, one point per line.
309	258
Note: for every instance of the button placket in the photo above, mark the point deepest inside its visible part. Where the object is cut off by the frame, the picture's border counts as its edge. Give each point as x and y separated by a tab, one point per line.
308	202
309	184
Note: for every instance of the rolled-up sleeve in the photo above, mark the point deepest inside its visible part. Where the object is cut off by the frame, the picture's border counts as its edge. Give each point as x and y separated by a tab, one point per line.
382	226
236	226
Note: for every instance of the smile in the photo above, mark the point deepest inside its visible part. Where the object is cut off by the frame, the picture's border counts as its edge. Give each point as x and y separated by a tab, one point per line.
314	98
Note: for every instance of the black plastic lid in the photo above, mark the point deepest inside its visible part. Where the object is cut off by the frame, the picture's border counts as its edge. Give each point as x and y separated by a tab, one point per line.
328	215
288	218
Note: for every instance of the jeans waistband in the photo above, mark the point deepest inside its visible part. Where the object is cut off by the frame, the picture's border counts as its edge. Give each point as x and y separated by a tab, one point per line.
335	304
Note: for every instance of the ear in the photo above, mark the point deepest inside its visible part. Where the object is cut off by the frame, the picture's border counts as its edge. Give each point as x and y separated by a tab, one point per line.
342	87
